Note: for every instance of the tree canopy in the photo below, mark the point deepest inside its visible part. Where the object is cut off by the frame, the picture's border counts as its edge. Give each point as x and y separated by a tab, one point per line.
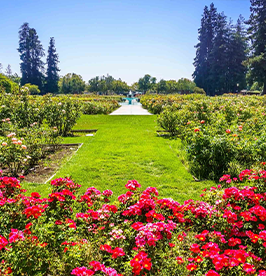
220	53
31	53
71	83
256	62
107	85
52	77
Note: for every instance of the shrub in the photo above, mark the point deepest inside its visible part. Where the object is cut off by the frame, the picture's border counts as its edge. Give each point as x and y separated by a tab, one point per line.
70	234
217	132
168	120
32	89
20	149
101	107
7	85
61	112
198	90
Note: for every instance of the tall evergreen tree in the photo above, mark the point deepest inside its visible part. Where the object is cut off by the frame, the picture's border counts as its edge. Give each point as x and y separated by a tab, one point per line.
237	54
52	76
24	50
31	52
37	65
204	48
218	57
220	54
200	73
257	34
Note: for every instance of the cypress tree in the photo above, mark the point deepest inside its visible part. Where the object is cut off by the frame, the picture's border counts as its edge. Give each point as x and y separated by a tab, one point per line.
52	76
257	34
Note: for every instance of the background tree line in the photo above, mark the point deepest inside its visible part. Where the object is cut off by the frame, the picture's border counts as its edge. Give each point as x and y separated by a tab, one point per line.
230	56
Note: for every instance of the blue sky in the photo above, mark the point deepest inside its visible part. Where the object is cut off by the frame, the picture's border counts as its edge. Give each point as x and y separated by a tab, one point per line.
125	38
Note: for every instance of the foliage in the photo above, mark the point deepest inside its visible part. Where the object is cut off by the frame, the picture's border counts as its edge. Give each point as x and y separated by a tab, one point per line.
31	51
70	234
156	103
52	77
257	35
146	83
99	107
220	54
71	84
62	113
107	85
24	110
15	78
168	120
20	149
218	133
7	85
198	90
255	87
32	89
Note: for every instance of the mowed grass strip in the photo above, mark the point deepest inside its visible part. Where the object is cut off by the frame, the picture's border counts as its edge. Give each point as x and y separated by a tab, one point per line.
125	148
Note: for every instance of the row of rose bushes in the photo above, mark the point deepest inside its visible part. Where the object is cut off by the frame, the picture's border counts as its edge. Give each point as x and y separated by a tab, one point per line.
31	126
24	110
99	107
97	98
95	104
21	149
140	234
157	103
221	134
61	111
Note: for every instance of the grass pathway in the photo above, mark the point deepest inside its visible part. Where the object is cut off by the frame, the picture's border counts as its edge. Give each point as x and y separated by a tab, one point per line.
126	147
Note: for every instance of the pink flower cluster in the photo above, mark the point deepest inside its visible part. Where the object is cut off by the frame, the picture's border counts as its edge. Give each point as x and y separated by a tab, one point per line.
95	266
153	232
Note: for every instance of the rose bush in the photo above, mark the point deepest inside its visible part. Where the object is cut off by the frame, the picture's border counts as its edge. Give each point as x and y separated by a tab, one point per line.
221	134
69	233
99	107
20	149
55	111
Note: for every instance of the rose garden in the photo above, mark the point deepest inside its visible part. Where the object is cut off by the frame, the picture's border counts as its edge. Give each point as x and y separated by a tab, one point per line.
154	176
64	228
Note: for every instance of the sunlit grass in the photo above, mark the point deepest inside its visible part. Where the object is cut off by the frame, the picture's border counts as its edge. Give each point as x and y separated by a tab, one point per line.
127	147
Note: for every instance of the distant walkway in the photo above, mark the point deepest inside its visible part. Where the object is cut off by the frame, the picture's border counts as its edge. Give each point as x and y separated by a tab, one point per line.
131	110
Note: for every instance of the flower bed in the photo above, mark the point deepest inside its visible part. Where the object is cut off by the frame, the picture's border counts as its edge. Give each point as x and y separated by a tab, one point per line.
221	134
99	107
140	234
55	111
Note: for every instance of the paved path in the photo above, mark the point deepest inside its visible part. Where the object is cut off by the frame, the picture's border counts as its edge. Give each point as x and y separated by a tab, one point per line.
131	110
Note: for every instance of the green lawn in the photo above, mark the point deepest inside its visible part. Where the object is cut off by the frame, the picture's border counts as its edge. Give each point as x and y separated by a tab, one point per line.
127	147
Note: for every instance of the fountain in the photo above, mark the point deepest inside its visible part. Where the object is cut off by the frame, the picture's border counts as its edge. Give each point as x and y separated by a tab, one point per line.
130	98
